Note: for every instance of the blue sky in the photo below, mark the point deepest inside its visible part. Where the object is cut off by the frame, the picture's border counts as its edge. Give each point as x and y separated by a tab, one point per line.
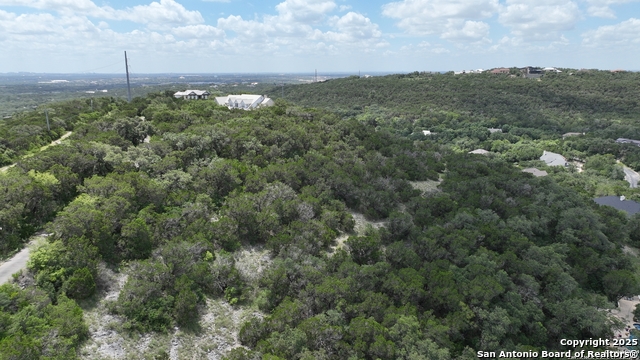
183	36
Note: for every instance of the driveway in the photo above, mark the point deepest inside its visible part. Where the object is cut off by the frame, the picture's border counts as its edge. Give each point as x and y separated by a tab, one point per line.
631	176
13	265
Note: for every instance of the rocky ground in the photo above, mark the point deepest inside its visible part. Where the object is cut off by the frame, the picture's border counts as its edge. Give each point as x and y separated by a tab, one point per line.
216	335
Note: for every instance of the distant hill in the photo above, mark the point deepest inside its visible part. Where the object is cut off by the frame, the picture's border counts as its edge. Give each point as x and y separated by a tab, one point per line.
558	101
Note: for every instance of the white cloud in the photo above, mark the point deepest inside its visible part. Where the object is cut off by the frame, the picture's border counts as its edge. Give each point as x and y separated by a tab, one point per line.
624	33
601	11
156	14
164	12
355	26
218	1
424	17
539	20
471	31
440	50
306	11
601	8
198	31
292	29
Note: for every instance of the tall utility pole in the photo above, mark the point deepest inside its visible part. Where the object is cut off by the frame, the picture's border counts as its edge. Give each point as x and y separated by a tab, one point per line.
46	113
126	65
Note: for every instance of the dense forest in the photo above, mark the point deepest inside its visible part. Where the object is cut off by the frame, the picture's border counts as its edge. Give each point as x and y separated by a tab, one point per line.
167	191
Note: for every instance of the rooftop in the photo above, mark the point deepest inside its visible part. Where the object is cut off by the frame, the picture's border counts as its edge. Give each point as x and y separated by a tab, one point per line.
553	159
536	172
618	202
479	152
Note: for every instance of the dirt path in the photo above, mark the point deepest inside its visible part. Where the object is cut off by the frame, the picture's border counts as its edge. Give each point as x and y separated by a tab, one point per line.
19	260
53	143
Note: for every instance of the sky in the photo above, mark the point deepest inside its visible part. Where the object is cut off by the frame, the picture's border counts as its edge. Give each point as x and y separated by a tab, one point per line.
238	36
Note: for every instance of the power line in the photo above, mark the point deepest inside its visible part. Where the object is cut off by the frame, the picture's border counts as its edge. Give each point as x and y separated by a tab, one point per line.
101	67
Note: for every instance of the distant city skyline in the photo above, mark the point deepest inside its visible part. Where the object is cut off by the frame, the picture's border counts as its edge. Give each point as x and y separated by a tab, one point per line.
298	36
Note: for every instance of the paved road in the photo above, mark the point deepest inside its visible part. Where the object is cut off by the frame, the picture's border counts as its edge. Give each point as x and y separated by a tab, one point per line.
631	176
13	265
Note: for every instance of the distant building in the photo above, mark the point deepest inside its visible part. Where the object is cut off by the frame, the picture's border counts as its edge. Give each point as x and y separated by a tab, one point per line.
244	101
536	172
531	72
569	134
479	152
619	202
426	132
553	159
500	71
477	71
494	130
192	94
628	141
552	69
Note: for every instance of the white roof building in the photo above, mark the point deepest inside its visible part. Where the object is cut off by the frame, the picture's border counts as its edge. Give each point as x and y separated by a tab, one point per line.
479	152
553	159
244	101
192	94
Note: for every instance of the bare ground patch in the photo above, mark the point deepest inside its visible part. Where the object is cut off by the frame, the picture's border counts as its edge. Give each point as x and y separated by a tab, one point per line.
219	323
362	223
104	340
426	187
252	262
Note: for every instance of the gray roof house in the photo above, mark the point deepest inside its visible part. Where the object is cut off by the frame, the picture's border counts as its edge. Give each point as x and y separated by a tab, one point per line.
628	141
244	101
536	172
629	206
553	159
569	134
192	94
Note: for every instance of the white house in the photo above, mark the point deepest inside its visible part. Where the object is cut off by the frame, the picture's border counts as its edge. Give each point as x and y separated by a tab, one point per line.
244	101
552	69
553	159
192	94
479	152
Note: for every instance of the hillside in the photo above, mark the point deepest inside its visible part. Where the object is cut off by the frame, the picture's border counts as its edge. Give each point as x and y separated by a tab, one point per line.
567	101
182	229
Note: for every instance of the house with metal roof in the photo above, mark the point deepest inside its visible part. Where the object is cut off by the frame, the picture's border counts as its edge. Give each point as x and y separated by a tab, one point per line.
479	152
244	101
553	159
552	69
628	141
619	202
192	94
570	134
535	172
